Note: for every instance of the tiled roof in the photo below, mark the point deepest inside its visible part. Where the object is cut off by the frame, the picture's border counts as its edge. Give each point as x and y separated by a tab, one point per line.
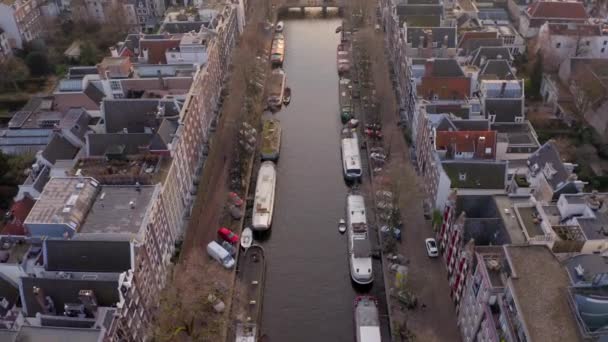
135	114
475	35
506	110
548	156
498	69
87	256
443	67
98	144
439	35
445	88
557	10
94	93
156	49
573	29
59	148
486	53
476	174
19	211
481	143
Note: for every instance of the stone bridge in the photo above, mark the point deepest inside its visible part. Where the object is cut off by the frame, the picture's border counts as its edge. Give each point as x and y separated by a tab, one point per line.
287	4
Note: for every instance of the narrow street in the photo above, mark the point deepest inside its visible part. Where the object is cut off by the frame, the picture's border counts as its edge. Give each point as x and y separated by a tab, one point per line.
427	277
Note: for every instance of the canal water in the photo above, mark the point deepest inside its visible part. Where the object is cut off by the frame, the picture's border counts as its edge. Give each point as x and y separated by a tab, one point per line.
308	294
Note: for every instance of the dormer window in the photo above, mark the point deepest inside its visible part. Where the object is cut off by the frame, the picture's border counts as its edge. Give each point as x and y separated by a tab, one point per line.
549	171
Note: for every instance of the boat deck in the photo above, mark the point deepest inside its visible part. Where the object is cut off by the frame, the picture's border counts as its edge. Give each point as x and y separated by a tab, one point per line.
271	139
249	295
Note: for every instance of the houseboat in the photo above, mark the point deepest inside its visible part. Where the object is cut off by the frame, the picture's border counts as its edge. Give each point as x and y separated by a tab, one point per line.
345	100
276	88
271	140
351	158
277	51
263	203
359	248
367	319
343	59
246	332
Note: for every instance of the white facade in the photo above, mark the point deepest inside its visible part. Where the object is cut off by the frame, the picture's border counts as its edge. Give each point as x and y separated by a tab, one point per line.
575	41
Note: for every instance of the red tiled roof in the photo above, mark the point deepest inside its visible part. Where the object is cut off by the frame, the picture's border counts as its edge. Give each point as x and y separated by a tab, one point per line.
446	88
557	10
19	210
476	35
468	142
157	48
575	29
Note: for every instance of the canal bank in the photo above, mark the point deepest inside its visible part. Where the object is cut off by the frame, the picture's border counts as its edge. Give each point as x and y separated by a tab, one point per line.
308	292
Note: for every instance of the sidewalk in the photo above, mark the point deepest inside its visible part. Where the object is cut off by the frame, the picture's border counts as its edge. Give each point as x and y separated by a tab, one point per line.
434	319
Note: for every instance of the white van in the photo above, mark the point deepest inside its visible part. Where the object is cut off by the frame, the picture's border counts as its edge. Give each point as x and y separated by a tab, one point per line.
218	253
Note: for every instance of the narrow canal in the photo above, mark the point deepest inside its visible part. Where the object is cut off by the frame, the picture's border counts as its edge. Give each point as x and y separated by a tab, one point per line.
308	294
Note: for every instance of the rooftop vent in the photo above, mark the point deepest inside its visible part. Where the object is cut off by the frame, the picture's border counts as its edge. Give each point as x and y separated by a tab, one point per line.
132	204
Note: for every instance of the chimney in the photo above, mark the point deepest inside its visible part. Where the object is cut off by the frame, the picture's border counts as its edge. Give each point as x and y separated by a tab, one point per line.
444	46
161	80
146	54
87	297
113	51
480	151
421	42
428	68
502	89
482	61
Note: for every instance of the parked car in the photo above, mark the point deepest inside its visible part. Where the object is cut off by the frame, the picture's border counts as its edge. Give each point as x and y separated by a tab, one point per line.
235	199
221	255
431	248
227	235
230	248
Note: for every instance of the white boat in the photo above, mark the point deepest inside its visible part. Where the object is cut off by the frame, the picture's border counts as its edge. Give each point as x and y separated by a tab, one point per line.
263	203
342	226
276	88
246	238
351	159
367	321
280	26
246	332
359	248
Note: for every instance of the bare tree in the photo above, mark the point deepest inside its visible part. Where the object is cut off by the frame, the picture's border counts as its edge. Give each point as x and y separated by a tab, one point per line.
587	90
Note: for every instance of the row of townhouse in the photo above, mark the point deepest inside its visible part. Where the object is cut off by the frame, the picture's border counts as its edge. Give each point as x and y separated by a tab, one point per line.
120	149
518	235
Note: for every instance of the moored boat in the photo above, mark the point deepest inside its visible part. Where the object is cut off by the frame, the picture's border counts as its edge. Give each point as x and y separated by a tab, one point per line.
342	226
345	100
271	140
277	52
246	238
343	59
351	158
246	332
286	96
367	319
276	88
359	248
263	203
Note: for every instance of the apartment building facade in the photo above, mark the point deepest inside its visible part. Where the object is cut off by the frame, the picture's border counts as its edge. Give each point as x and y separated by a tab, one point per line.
21	21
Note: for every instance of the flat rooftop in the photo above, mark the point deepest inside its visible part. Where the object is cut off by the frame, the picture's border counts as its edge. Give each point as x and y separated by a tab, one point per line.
505	205
119	209
531	220
539	283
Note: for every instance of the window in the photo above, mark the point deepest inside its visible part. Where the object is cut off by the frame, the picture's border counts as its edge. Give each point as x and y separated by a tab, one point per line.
558	45
588	43
115	85
462	177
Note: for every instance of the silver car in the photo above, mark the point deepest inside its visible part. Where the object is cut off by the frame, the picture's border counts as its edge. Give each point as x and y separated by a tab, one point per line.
431	248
